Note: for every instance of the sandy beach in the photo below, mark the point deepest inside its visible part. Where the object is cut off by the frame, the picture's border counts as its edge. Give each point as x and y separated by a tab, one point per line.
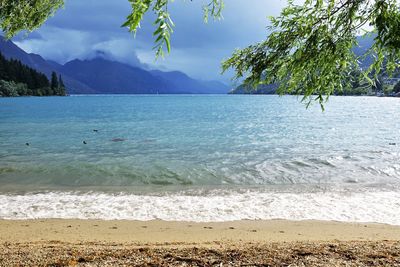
274	242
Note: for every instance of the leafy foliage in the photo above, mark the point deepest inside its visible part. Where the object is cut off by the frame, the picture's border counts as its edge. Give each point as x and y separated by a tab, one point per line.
10	88
310	48
164	24
396	88
25	14
214	8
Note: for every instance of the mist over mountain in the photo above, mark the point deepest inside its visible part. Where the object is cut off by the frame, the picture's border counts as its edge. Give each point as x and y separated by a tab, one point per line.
102	75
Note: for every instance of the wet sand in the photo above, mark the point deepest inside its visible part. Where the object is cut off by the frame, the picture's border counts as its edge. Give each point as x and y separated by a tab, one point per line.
274	242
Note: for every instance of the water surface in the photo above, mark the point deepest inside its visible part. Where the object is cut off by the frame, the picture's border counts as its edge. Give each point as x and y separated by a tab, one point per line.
199	158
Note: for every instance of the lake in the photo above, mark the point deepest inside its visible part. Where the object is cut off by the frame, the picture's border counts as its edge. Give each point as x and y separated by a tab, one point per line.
200	158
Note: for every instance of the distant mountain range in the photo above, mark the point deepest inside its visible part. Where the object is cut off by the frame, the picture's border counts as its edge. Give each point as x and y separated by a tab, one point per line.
103	76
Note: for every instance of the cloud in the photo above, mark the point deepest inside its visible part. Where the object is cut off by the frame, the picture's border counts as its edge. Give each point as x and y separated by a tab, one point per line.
59	44
63	45
84	28
27	35
121	50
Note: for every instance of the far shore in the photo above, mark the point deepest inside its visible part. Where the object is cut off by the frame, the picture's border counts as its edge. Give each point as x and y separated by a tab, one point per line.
57	242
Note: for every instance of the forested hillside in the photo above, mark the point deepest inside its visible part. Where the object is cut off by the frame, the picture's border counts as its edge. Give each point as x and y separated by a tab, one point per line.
17	79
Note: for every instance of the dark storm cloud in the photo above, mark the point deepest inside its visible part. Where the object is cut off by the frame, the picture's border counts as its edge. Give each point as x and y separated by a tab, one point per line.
84	28
92	15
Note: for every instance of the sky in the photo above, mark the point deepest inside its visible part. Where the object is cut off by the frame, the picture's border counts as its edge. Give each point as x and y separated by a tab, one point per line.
87	29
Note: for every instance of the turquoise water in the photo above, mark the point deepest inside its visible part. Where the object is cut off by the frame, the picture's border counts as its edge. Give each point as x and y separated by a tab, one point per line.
155	149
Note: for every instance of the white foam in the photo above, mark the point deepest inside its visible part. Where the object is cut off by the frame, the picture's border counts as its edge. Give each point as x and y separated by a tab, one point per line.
380	207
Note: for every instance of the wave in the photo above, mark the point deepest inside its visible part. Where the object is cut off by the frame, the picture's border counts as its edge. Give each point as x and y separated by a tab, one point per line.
338	168
361	206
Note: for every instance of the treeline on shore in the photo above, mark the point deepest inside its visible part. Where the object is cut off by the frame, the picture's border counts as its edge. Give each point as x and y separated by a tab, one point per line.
17	79
383	85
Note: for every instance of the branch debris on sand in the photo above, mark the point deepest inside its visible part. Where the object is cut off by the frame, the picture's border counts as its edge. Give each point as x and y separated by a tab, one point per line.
357	253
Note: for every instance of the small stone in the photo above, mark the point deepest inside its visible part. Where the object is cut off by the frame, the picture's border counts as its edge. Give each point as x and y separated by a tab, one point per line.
118	140
81	260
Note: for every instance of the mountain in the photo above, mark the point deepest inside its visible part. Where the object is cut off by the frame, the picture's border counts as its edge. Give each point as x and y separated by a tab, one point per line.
364	44
10	50
104	76
110	77
183	84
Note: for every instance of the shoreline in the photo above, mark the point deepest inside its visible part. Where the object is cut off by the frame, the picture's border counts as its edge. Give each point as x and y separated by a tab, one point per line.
53	242
164	232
